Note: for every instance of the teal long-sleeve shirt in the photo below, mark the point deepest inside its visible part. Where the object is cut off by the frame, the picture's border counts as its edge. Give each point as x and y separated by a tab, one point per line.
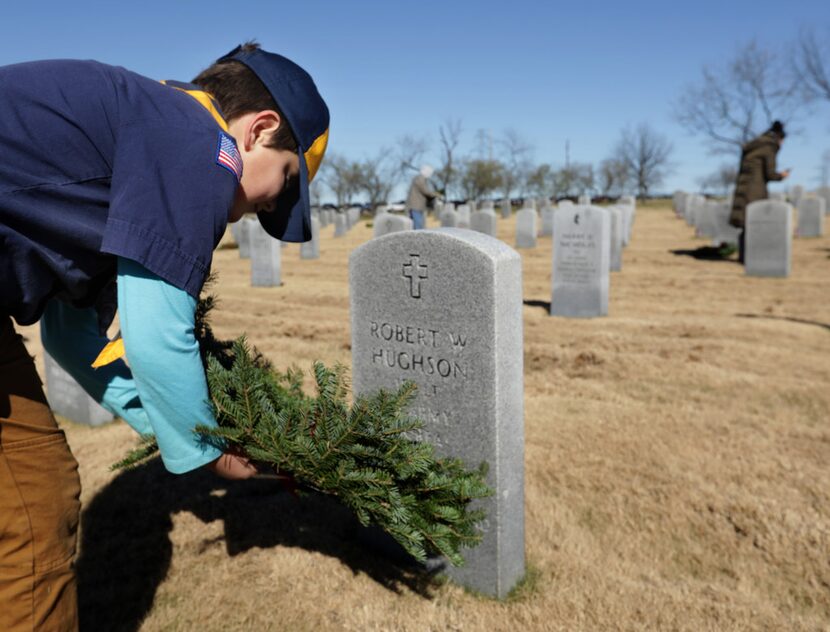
163	392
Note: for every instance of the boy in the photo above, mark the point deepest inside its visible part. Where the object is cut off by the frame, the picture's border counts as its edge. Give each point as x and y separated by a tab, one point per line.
105	176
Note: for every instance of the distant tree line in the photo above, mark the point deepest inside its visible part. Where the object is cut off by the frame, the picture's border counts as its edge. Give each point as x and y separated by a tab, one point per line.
503	168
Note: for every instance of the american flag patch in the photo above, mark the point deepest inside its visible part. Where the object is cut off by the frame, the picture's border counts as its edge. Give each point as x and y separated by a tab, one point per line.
227	156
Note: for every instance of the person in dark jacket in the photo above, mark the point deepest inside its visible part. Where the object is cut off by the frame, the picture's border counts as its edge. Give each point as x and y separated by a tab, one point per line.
757	168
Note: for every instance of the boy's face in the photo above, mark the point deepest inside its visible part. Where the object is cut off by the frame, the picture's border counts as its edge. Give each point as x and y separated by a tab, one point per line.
266	172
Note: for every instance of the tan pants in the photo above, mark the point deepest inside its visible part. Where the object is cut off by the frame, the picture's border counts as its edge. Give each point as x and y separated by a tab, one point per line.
39	501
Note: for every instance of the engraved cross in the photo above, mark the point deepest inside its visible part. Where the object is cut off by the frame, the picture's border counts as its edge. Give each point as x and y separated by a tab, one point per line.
414	271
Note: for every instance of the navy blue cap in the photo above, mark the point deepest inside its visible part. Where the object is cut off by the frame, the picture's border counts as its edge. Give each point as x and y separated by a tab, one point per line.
296	95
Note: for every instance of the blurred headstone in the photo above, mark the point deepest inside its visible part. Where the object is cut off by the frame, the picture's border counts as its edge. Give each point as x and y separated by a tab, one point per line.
484	221
616	224
811	217
386	223
266	258
581	261
768	238
311	249
68	399
526	230
341	224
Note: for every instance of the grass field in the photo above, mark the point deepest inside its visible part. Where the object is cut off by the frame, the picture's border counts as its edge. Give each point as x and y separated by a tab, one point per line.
677	466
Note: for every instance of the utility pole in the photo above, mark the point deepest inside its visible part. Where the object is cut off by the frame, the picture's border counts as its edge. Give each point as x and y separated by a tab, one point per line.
567	153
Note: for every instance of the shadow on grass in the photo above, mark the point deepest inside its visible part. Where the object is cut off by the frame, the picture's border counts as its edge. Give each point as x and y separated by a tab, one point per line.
126	551
800	321
543	304
704	253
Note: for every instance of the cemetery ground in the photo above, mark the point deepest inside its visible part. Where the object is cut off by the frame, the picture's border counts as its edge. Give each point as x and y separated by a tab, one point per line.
677	465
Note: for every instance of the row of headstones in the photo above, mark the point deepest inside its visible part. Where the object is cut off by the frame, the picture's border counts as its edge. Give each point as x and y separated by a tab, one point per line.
711	218
265	252
768	226
588	244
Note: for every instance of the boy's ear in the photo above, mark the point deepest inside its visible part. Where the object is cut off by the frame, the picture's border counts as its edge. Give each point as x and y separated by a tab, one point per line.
262	127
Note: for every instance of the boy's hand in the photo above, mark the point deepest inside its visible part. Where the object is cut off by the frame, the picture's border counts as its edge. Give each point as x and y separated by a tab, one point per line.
233	467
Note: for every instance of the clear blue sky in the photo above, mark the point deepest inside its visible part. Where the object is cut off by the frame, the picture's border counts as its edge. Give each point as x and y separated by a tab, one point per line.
552	71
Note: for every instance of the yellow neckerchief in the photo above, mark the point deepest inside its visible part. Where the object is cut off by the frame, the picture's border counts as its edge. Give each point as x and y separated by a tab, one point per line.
114	349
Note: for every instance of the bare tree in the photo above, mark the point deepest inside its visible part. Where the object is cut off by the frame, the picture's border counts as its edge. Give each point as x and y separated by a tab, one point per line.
409	153
447	174
342	176
645	154
378	177
516	162
719	181
481	177
612	177
811	62
735	103
541	181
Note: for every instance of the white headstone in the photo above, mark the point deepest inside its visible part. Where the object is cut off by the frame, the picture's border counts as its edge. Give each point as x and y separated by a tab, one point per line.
311	249
546	214
241	231
584	200
616	223
628	213
463	212
505	208
705	225
411	320
581	260
824	192
341	224
449	218
679	203
266	258
724	232
694	203
68	399
386	223
526	230
811	217
795	194
768	238
484	221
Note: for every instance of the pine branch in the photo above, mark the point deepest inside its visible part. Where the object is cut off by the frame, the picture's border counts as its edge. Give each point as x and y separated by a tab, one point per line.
361	454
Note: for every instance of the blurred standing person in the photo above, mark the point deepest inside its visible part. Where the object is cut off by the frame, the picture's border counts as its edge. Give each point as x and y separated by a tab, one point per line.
420	197
757	168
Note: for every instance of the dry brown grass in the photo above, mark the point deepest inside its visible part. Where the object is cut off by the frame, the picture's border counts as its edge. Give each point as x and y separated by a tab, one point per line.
677	467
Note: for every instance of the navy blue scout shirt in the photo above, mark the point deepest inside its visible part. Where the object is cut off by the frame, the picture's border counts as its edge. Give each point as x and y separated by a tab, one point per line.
98	162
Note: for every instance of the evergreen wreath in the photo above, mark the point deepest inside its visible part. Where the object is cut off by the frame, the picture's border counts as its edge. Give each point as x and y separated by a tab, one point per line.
362	454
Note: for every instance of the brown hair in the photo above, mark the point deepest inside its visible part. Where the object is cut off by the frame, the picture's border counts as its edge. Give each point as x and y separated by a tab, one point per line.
239	91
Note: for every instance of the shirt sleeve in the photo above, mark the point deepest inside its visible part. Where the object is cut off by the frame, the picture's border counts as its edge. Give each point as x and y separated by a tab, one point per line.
426	188
157	323
71	337
770	169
